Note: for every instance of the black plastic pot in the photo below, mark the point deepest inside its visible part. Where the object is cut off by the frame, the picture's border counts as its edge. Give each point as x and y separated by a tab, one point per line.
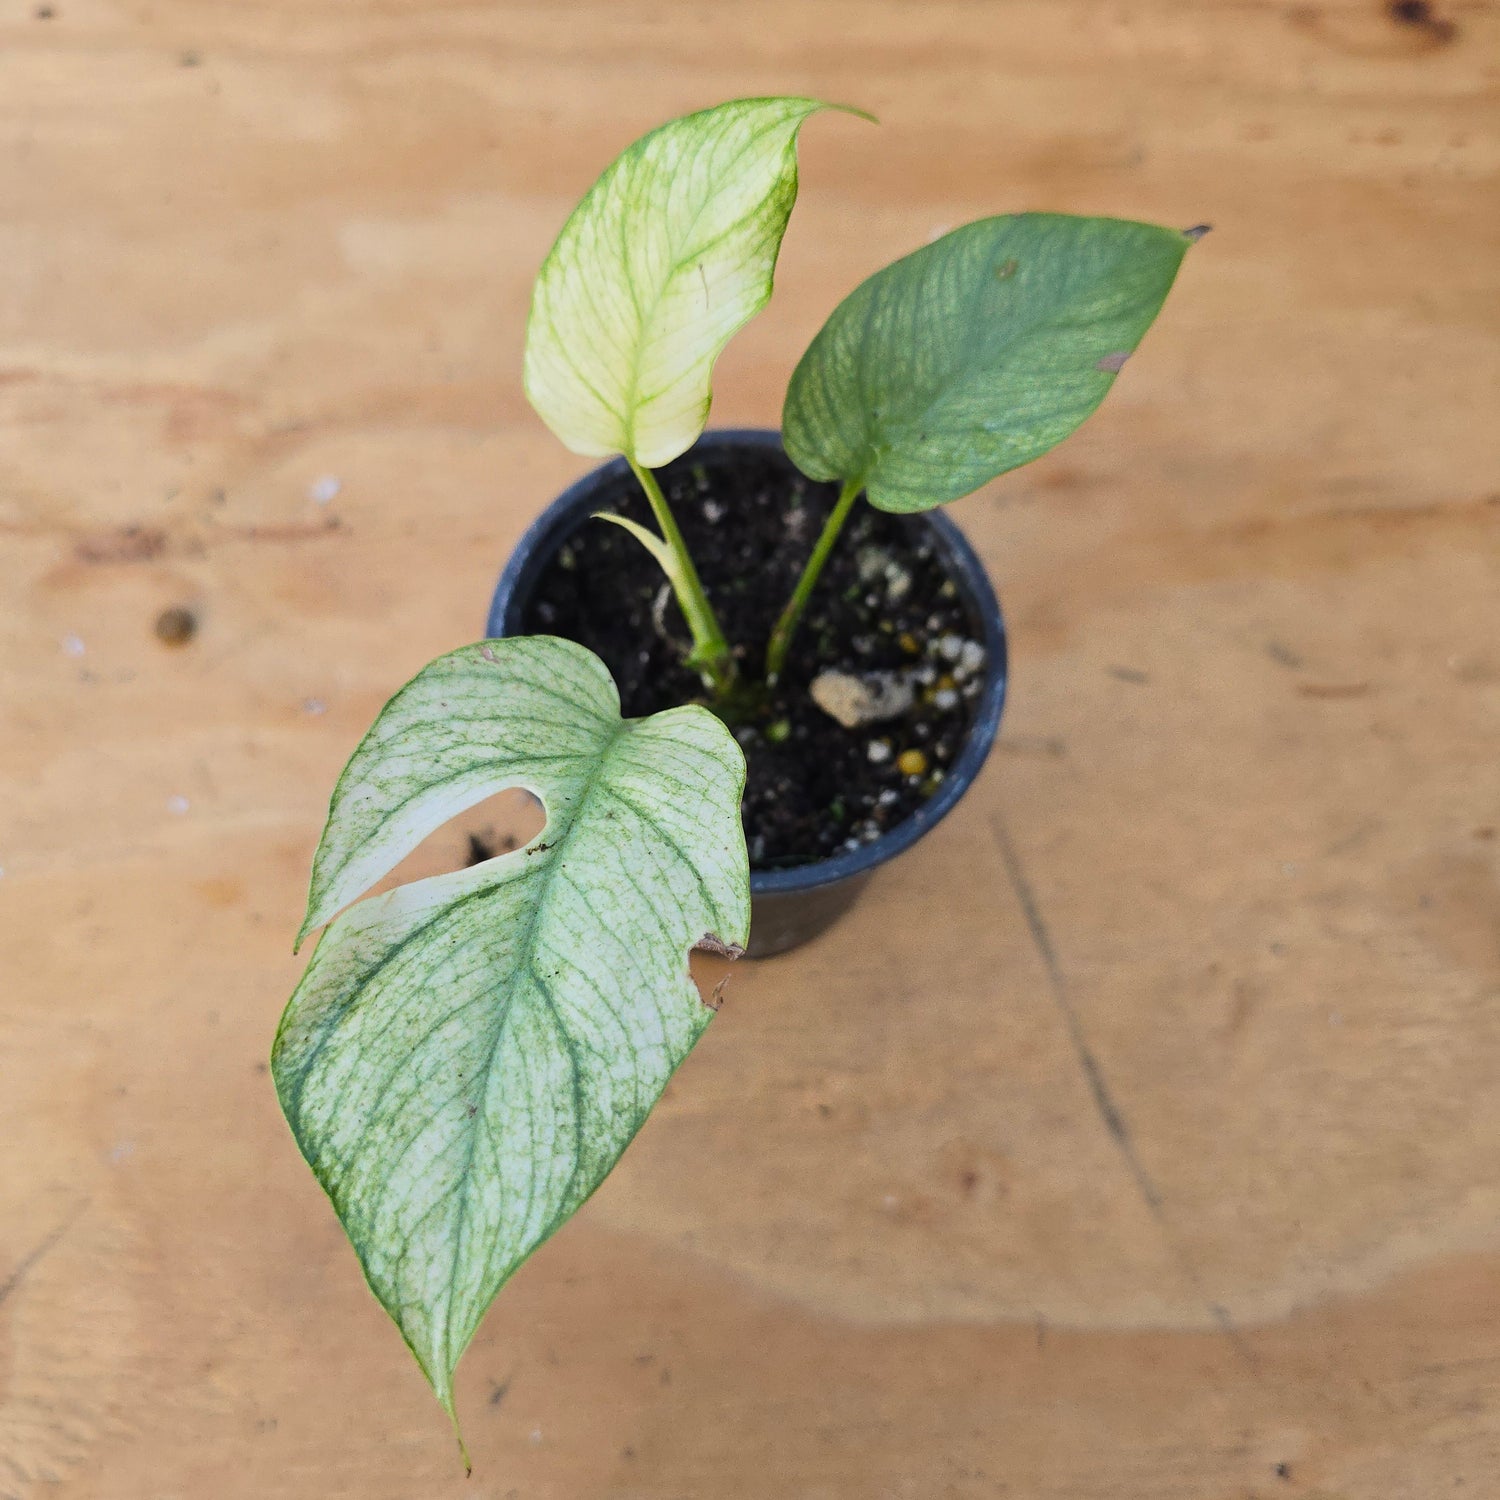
788	907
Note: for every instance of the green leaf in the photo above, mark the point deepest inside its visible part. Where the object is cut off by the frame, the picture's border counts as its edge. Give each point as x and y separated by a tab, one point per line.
975	354
467	1056
671	252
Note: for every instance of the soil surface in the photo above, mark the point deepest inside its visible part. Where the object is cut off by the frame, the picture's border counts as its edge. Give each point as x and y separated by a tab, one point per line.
884	611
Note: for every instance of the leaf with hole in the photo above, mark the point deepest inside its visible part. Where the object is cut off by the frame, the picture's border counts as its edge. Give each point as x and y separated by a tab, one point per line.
975	354
670	253
467	1056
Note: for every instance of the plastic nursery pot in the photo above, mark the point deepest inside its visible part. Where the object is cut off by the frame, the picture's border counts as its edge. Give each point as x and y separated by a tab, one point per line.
789	906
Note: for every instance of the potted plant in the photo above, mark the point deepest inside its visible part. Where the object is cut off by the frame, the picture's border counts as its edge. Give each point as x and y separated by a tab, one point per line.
466	1057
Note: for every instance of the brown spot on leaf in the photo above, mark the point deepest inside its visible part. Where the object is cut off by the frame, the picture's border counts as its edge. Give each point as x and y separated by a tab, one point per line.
1112	364
1007	269
1196	232
711	943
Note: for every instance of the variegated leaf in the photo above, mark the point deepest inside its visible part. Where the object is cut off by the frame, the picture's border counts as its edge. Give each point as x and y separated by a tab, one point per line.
467	1056
670	253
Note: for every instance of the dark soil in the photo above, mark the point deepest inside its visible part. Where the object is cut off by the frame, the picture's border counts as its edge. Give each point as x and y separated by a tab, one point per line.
884	604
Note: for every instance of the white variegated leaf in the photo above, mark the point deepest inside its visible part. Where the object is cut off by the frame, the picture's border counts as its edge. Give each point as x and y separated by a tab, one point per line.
467	1056
669	254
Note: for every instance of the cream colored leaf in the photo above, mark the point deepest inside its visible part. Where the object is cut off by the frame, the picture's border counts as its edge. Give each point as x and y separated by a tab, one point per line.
670	253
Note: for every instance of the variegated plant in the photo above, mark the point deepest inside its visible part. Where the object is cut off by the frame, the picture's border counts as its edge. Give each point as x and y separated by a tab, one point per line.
669	255
467	1056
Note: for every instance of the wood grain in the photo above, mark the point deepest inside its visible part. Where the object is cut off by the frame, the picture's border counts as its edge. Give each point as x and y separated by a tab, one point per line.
1136	1136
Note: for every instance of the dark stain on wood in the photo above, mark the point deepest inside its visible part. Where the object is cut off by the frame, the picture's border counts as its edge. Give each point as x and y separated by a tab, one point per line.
121	544
176	626
1420	16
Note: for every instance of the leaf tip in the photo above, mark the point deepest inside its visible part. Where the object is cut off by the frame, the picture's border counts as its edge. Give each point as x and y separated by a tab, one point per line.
458	1437
856	111
312	919
1196	233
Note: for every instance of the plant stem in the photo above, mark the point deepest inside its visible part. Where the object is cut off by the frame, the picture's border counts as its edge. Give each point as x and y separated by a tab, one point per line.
791	616
711	654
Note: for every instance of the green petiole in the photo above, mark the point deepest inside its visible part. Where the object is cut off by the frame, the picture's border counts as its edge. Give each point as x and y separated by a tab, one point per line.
711	654
791	616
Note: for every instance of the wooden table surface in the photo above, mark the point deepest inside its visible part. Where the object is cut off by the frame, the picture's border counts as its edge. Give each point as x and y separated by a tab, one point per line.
1135	1139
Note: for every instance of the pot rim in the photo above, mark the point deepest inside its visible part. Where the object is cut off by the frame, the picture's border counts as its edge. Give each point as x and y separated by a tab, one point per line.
963	565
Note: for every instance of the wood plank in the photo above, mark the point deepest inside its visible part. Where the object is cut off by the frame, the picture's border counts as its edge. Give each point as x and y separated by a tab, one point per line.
1134	1137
